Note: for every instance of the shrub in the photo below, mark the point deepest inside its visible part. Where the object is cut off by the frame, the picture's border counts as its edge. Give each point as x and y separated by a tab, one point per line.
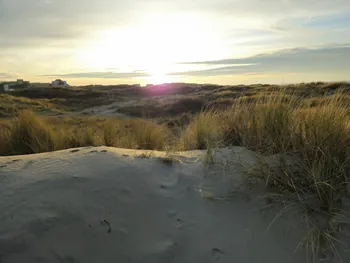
185	105
5	139
109	134
29	134
148	135
265	125
322	138
206	130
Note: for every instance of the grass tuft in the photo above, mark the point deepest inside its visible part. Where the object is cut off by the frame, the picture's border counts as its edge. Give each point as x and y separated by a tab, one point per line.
206	130
109	134
29	134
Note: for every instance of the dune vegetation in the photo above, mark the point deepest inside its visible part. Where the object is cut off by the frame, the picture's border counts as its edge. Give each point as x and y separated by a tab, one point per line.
315	131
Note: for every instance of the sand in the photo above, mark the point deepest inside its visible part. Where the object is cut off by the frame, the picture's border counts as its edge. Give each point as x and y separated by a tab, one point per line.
114	205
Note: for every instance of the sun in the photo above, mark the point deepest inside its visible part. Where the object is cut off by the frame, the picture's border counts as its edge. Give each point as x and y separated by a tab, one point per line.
158	74
158	79
150	47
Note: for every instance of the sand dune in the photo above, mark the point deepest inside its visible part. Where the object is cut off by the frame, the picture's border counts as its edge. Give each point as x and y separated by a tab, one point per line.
114	205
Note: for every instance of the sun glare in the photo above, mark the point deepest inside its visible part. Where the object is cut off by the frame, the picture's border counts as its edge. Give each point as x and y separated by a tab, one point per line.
151	47
158	79
158	73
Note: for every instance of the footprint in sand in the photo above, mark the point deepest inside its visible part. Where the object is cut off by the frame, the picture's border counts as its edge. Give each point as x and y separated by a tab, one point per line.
216	253
106	223
28	164
14	161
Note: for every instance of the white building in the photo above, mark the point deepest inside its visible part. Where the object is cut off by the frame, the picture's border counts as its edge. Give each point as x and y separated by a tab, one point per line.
20	84
4	87
59	83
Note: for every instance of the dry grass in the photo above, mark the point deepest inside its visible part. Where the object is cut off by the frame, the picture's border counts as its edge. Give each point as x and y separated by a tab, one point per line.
137	134
316	139
206	130
264	125
28	133
109	134
10	105
4	139
320	140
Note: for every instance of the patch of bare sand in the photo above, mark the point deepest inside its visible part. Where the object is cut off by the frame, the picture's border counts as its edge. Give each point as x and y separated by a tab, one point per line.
117	205
111	109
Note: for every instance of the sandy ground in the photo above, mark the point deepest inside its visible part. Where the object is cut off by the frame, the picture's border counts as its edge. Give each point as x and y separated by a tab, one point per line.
112	108
112	205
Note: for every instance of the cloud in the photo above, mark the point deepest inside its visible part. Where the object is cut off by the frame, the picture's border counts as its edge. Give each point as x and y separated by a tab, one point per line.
103	75
28	23
280	8
301	60
297	60
297	55
334	21
57	19
5	75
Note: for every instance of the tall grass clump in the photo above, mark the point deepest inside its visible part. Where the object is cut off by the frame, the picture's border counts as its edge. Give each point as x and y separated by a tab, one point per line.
4	140
318	137
84	136
29	134
265	125
206	130
137	134
322	138
312	146
146	134
109	133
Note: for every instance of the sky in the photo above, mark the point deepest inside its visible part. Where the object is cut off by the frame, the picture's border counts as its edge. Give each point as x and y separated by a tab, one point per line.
154	41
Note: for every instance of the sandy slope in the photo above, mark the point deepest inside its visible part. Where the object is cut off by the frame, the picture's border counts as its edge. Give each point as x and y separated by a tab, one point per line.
109	205
112	108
